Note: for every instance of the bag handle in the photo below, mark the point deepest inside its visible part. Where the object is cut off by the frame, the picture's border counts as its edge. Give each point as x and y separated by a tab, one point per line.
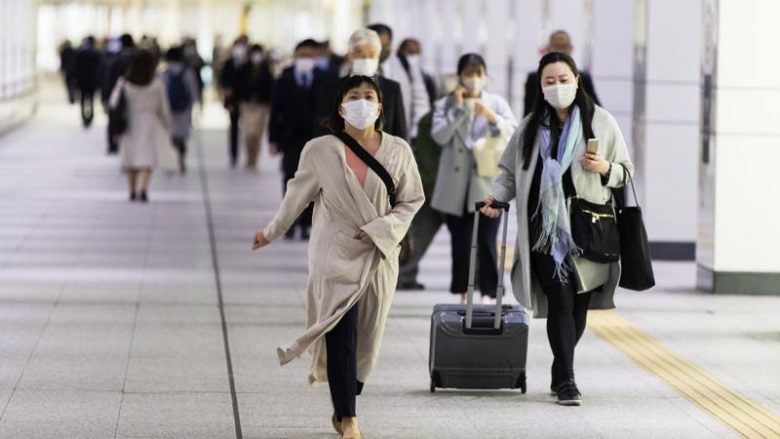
372	163
473	261
627	176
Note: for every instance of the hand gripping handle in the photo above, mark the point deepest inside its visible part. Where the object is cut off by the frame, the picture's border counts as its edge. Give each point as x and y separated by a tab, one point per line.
495	204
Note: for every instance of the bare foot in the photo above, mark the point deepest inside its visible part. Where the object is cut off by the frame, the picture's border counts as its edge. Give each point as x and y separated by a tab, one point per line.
463	298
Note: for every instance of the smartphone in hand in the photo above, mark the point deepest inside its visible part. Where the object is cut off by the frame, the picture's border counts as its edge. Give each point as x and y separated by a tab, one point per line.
593	146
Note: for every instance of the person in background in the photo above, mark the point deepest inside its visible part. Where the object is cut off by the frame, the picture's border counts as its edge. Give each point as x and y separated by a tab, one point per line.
196	64
228	80
354	244
292	117
329	61
461	119
87	68
150	43
409	53
67	68
560	41
146	144
542	169
253	86
181	86
406	72
427	152
364	50
114	68
428	220
219	54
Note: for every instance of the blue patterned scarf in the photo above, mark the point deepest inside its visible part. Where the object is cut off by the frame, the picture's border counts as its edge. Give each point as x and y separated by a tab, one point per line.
555	236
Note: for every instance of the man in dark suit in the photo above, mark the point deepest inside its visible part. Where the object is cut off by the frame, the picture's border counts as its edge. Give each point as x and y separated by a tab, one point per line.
560	41
228	84
87	68
364	50
327	60
291	124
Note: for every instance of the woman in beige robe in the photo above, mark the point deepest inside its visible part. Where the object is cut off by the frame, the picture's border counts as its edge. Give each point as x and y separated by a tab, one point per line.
355	237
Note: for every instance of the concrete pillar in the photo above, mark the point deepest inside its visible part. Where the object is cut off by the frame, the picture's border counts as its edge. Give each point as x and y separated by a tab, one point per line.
666	122
612	59
738	238
527	38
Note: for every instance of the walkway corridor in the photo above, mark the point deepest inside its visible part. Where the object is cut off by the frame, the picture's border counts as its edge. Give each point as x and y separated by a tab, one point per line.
122	320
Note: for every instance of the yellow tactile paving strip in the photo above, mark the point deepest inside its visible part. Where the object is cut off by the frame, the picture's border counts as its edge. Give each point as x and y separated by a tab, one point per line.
732	409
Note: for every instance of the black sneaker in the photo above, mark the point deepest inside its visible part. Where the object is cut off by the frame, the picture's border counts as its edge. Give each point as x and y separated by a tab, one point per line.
132	196
556	380
568	394
410	286
144	198
305	234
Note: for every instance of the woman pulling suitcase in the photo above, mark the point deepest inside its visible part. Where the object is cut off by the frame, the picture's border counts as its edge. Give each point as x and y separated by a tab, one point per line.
558	271
357	227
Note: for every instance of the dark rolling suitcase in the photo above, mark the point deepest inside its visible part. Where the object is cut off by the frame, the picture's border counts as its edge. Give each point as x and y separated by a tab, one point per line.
479	346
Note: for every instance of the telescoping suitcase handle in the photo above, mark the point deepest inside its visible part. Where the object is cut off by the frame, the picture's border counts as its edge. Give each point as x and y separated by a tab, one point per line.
472	264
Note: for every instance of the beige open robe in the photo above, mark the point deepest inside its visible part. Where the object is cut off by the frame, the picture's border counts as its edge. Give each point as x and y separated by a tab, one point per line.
342	269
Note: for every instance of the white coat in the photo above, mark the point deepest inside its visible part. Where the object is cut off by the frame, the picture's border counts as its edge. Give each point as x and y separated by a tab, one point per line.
344	271
146	144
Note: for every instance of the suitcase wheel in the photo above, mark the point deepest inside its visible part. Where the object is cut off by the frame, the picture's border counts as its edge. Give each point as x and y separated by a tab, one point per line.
521	383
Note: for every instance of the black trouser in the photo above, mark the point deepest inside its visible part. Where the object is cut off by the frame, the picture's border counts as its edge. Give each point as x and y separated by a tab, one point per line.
87	106
181	146
70	86
460	228
425	225
566	318
234	116
304	220
113	141
341	350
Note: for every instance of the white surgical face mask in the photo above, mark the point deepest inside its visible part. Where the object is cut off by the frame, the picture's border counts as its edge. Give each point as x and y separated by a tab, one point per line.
305	65
365	66
322	62
414	60
475	84
560	96
239	53
361	114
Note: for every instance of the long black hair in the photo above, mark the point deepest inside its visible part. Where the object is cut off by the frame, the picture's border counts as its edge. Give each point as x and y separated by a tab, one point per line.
543	111
336	121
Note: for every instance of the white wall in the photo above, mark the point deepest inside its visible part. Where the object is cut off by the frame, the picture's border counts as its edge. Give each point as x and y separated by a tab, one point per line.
612	52
747	147
668	166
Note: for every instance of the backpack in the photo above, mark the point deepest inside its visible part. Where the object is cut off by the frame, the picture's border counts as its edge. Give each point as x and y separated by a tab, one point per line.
178	96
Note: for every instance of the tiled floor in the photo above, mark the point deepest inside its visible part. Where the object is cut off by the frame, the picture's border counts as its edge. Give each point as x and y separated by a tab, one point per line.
110	324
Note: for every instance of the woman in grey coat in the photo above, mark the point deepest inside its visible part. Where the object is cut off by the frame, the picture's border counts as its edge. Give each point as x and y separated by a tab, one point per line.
460	120
544	166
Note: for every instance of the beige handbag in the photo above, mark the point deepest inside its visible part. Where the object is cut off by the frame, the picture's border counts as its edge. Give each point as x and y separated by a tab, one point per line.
487	152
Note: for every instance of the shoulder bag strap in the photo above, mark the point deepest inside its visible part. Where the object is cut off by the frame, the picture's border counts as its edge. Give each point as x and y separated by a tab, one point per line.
628	179
372	163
